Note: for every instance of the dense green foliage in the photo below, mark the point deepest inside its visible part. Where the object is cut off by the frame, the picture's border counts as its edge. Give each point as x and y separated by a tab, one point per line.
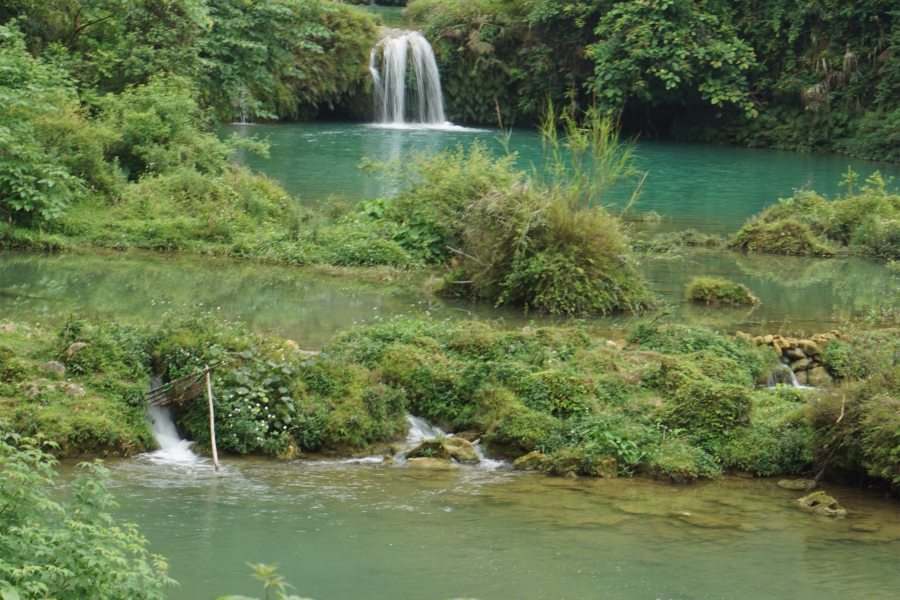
711	290
866	222
857	427
107	102
543	241
798	74
679	402
76	549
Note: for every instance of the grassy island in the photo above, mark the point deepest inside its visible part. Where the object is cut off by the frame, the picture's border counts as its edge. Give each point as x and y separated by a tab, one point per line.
865	222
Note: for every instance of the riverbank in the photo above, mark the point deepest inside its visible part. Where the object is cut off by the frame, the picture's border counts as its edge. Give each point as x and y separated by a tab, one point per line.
675	402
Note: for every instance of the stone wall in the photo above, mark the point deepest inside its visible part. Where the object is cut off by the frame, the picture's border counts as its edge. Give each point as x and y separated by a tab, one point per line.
802	355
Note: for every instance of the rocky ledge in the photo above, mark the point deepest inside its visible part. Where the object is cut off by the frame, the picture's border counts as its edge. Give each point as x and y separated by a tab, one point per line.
803	356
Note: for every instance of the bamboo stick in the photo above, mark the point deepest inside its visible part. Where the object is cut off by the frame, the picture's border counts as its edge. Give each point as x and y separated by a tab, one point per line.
212	421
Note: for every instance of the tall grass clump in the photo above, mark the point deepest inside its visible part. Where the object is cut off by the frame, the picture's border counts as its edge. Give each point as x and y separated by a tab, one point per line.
546	241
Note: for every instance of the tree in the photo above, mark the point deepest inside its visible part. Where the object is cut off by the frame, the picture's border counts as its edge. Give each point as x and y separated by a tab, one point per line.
72	550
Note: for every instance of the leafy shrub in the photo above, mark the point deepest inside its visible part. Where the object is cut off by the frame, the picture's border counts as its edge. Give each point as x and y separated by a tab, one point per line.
719	291
33	178
867	223
877	137
678	460
75	549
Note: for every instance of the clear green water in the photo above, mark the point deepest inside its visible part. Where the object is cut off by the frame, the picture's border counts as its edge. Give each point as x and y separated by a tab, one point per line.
710	188
342	531
391	16
310	305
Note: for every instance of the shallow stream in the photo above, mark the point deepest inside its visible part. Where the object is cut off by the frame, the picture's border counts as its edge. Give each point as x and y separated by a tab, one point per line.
310	305
350	530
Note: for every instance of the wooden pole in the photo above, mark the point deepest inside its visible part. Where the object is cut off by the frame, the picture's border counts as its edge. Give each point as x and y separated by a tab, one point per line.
212	421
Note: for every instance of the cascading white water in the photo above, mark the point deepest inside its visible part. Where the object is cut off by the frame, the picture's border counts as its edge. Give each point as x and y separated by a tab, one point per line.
783	375
172	449
420	429
394	103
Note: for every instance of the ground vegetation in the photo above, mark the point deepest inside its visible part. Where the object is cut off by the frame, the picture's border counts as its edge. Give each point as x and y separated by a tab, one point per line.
74	549
865	221
677	402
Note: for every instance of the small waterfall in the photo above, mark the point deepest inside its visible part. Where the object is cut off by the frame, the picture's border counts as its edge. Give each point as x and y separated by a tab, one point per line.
420	429
783	375
240	111
395	104
172	449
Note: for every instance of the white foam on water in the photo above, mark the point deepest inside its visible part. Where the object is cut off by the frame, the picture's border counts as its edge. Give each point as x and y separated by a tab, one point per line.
172	449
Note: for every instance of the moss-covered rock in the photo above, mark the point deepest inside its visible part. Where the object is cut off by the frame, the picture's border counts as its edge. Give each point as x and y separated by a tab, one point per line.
462	450
719	292
823	504
530	462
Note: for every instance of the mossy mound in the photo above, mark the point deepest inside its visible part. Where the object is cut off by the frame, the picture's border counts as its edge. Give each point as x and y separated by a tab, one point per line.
865	223
719	292
782	236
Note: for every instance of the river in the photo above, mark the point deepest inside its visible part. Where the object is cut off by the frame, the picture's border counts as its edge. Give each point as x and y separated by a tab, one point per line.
348	530
341	531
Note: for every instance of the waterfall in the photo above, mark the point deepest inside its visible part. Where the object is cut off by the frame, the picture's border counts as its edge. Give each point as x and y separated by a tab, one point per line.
395	104
783	375
172	449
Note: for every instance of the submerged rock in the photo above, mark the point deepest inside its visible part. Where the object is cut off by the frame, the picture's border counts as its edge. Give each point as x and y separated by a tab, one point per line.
571	475
462	450
797	484
435	464
387	460
705	521
607	468
530	462
823	504
52	366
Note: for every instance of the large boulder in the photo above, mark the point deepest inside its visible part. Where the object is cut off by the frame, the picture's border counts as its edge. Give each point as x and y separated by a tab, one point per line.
795	354
809	347
530	462
430	449
801	365
52	366
462	450
823	504
435	464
